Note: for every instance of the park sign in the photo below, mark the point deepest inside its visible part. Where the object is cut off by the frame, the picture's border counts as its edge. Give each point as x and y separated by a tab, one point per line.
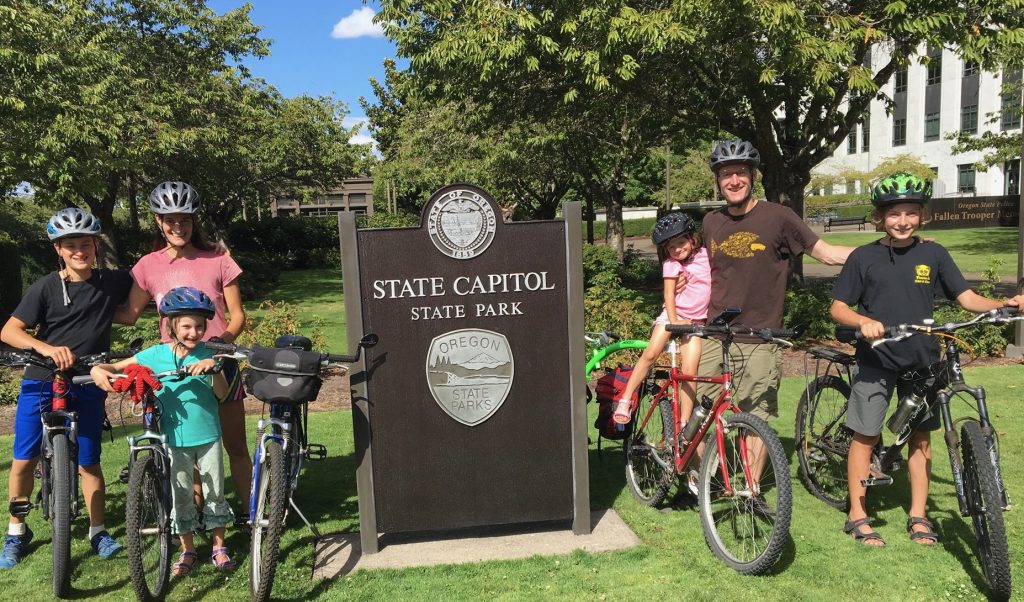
470	411
973	212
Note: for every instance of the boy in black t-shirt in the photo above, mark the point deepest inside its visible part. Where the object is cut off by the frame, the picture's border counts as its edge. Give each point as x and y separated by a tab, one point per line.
72	309
894	281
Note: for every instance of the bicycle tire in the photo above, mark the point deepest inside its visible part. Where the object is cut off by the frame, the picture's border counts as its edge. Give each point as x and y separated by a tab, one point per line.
60	516
271	500
650	468
147	530
823	441
984	502
747	531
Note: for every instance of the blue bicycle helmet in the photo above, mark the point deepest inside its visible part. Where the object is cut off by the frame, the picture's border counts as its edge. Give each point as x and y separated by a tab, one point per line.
186	300
670	226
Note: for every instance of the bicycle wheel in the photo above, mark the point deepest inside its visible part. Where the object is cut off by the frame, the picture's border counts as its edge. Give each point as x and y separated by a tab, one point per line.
984	502
271	498
747	527
823	441
60	514
147	526
649	464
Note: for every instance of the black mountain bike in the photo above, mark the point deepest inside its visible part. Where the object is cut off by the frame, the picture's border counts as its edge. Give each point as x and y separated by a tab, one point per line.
823	440
58	458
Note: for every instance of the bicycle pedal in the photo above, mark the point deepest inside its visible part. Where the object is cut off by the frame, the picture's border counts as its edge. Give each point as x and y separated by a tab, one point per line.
20	508
873	481
316	452
123	476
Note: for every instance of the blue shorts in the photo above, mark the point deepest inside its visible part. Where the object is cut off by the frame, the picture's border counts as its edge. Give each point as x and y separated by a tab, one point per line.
36	396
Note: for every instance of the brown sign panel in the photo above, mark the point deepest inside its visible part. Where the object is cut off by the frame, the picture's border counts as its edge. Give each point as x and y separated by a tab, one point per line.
468	392
973	212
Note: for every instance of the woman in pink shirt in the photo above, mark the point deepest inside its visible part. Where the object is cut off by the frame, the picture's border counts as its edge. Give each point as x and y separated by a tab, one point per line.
682	258
182	257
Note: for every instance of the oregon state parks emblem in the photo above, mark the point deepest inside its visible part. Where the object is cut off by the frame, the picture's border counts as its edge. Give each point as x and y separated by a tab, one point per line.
469	373
461	221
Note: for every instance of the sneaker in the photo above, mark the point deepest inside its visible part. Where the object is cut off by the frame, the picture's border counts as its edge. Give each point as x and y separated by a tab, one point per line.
14	548
105	545
691	481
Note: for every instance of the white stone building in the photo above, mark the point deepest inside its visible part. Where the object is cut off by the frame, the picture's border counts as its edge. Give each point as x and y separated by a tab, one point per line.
931	101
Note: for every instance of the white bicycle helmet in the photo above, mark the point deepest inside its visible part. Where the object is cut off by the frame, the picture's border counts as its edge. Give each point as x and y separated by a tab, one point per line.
173	197
72	221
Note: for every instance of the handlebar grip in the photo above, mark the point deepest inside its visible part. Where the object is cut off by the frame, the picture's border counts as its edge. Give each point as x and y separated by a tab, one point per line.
683	328
221	347
82	380
121	354
785	333
849	334
343	359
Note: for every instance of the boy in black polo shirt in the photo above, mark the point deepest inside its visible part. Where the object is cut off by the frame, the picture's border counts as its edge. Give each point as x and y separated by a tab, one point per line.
894	281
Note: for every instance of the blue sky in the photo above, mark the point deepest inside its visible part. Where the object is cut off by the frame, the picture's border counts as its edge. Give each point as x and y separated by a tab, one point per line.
320	47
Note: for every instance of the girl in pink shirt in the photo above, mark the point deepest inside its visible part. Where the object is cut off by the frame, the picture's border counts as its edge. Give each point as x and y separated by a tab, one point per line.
182	257
684	259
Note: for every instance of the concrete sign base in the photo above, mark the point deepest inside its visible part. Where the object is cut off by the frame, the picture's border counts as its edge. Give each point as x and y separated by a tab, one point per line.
340	554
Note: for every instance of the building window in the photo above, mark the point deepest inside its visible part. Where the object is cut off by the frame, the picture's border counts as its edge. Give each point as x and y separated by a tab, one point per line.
851	186
965	179
1010	118
935	71
900	80
969	119
970	68
1011	171
865	133
851	141
357	199
931	127
899	132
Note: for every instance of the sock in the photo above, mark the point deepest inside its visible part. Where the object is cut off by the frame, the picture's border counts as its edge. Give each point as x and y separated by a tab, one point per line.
93	531
16	529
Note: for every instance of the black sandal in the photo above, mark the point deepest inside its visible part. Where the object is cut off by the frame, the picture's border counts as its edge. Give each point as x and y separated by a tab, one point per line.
852	528
917	536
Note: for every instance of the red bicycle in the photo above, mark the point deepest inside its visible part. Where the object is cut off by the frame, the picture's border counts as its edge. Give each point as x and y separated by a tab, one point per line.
742	486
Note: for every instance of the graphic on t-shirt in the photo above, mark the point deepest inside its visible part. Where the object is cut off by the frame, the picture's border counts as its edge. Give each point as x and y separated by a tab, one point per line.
739	245
922	274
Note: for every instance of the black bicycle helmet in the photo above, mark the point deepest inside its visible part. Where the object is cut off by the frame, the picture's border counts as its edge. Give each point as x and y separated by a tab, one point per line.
72	221
672	225
173	197
734	151
184	300
900	187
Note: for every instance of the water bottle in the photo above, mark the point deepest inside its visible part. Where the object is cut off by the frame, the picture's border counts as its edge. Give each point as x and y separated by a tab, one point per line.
909	405
700	412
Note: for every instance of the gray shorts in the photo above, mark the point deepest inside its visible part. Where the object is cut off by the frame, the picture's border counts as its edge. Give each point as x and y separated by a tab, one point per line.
757	372
869	400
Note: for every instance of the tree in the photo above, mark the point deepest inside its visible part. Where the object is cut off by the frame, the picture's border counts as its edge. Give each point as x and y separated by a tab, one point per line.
792	76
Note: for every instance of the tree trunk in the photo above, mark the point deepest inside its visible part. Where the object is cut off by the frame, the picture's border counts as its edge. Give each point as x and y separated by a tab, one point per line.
786	187
133	202
103	208
590	219
615	233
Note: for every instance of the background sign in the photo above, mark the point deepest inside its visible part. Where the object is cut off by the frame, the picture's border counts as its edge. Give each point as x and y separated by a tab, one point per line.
972	212
469	415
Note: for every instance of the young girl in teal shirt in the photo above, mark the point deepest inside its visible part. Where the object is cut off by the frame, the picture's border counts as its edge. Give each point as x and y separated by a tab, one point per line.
190	420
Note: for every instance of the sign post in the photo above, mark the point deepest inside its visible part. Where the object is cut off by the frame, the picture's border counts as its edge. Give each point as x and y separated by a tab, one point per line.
471	410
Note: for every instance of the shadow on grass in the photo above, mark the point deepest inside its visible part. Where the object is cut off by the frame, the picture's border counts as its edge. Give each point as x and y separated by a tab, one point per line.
958	538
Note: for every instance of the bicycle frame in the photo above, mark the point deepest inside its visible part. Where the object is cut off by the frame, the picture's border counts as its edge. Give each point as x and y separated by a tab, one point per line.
599	353
683	452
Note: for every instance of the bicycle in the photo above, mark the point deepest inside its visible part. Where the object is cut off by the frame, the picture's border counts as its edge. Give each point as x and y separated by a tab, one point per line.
745	501
286	377
149	499
58	457
823	440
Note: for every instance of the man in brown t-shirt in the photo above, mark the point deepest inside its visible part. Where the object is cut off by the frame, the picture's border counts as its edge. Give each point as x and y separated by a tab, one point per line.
749	243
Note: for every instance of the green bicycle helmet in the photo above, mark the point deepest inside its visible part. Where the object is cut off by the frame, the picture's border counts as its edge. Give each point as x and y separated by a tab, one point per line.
900	188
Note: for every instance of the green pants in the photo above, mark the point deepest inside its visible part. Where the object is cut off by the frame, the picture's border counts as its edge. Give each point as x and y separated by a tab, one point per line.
756	371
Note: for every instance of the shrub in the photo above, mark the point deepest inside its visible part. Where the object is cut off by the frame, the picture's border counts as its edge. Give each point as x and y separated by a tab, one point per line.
807	307
280	318
984	340
10	385
382	219
260	273
609	304
290	241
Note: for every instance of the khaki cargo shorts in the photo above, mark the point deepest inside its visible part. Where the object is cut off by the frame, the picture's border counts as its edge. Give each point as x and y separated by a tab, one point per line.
757	372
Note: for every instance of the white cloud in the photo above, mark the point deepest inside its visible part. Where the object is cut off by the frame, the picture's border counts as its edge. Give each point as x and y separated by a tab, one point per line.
351	121
361	139
357	25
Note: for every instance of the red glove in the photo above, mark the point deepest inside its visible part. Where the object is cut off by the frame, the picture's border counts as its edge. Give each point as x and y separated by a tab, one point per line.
140	381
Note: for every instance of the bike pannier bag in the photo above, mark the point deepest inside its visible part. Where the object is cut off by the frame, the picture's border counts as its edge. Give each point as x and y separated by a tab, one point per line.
283	375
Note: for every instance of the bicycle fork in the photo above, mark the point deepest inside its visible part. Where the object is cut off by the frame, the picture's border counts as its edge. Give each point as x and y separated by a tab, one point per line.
55	422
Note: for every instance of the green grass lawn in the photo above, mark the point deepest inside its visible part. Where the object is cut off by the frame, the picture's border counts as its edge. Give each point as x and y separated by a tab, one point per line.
313	294
973	249
819	563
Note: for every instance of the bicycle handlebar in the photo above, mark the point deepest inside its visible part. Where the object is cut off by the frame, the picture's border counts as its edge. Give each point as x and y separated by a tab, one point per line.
33	357
769	335
601	339
325	358
1003	315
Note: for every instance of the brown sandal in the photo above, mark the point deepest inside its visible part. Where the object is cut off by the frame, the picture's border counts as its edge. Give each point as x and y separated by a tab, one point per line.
918	536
